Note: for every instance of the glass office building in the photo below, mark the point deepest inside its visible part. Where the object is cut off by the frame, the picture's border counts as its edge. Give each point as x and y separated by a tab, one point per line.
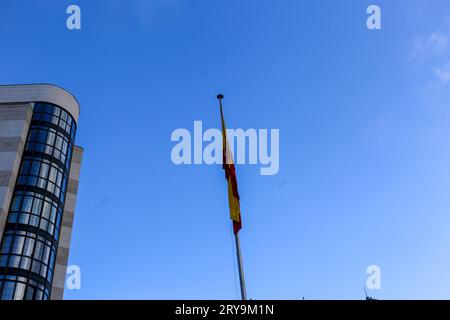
39	169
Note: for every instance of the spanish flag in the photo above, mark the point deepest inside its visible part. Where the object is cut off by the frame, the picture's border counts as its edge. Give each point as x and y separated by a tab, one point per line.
230	175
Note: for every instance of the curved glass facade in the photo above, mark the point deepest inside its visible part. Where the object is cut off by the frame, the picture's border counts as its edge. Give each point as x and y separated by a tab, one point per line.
30	240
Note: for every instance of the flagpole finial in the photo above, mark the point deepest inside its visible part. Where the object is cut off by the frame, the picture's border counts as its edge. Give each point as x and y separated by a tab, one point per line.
220	96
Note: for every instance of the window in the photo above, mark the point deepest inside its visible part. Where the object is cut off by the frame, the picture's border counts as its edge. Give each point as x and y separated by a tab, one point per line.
6	245
28	247
31	235
18	245
27	203
8	290
20	291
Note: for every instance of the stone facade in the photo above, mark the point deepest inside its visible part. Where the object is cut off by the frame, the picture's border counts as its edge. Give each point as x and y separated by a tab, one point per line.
66	229
14	124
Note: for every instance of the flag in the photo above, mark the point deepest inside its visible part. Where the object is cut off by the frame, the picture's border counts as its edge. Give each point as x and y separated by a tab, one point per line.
230	176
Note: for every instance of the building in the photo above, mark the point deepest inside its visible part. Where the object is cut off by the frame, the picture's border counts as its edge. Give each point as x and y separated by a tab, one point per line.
39	170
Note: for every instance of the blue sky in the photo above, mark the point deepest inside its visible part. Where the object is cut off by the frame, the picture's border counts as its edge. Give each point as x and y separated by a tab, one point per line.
364	143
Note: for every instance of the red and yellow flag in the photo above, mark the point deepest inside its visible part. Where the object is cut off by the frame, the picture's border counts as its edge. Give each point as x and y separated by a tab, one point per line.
230	175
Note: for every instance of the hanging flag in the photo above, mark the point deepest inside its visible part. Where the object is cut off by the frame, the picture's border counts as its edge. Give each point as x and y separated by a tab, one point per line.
230	175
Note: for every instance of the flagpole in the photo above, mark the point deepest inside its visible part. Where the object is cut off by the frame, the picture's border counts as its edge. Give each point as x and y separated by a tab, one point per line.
236	238
241	267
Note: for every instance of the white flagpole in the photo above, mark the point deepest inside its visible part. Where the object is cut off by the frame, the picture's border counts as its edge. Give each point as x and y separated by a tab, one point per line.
236	238
241	267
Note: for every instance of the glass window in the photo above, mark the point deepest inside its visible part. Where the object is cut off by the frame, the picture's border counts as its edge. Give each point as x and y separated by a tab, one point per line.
33	135
22	180
39	294
20	291
37	206
38	250
29	293
6	245
42	183
44	170
25	167
44	224
3	260
35	166
27	203
56	112
32	180
34	220
18	245
36	266
59	142
14	261
63	115
39	147
48	108
52	131
28	247
25	263
15	205
12	218
24	218
52	175
42	136
8	290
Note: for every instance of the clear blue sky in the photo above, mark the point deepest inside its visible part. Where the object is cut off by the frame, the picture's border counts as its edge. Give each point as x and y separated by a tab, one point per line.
364	119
